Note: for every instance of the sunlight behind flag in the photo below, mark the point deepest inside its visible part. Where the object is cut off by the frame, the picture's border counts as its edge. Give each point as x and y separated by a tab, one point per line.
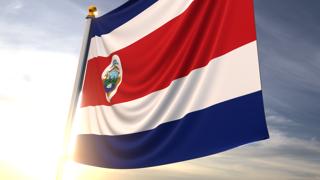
170	81
34	112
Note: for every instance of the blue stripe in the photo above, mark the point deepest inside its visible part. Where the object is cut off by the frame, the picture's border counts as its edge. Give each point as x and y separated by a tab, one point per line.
208	131
118	16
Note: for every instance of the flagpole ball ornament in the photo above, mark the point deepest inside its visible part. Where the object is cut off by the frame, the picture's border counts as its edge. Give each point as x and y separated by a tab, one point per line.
92	11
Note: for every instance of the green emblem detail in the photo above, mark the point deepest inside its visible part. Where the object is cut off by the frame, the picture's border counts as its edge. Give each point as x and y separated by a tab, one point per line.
112	77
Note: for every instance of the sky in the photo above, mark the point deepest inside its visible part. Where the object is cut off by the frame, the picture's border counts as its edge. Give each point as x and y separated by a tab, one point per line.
39	47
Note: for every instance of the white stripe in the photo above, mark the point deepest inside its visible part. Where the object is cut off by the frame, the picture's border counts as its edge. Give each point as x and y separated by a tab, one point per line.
229	76
138	27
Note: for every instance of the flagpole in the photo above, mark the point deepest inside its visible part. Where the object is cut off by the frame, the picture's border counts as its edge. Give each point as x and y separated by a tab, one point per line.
76	92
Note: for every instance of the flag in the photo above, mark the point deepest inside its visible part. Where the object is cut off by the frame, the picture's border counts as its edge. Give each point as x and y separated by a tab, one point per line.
168	81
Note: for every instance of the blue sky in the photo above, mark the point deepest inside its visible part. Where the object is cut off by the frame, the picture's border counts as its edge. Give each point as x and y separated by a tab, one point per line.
39	47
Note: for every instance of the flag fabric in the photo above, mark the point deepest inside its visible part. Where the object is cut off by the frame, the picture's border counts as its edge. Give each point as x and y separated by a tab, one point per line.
168	81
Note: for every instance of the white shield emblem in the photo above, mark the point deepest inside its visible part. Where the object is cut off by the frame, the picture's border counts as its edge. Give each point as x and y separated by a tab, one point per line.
112	77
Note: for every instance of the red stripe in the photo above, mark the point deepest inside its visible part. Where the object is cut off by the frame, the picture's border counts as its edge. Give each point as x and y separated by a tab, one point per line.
207	29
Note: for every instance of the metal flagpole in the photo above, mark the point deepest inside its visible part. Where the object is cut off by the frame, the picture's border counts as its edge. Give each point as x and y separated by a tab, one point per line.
76	91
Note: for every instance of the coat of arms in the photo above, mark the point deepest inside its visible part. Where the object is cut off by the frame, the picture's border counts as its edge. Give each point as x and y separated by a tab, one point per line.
112	77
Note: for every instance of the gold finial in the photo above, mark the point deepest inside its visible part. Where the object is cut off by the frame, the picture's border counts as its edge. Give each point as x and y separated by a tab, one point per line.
92	12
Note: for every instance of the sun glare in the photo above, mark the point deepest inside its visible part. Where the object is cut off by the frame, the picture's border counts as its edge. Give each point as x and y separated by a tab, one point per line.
34	98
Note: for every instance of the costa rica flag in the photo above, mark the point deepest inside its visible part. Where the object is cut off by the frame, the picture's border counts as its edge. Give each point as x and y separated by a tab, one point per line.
168	81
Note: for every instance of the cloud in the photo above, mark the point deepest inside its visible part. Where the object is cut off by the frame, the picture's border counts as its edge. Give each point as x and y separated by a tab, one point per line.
275	119
288	42
13	7
41	25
